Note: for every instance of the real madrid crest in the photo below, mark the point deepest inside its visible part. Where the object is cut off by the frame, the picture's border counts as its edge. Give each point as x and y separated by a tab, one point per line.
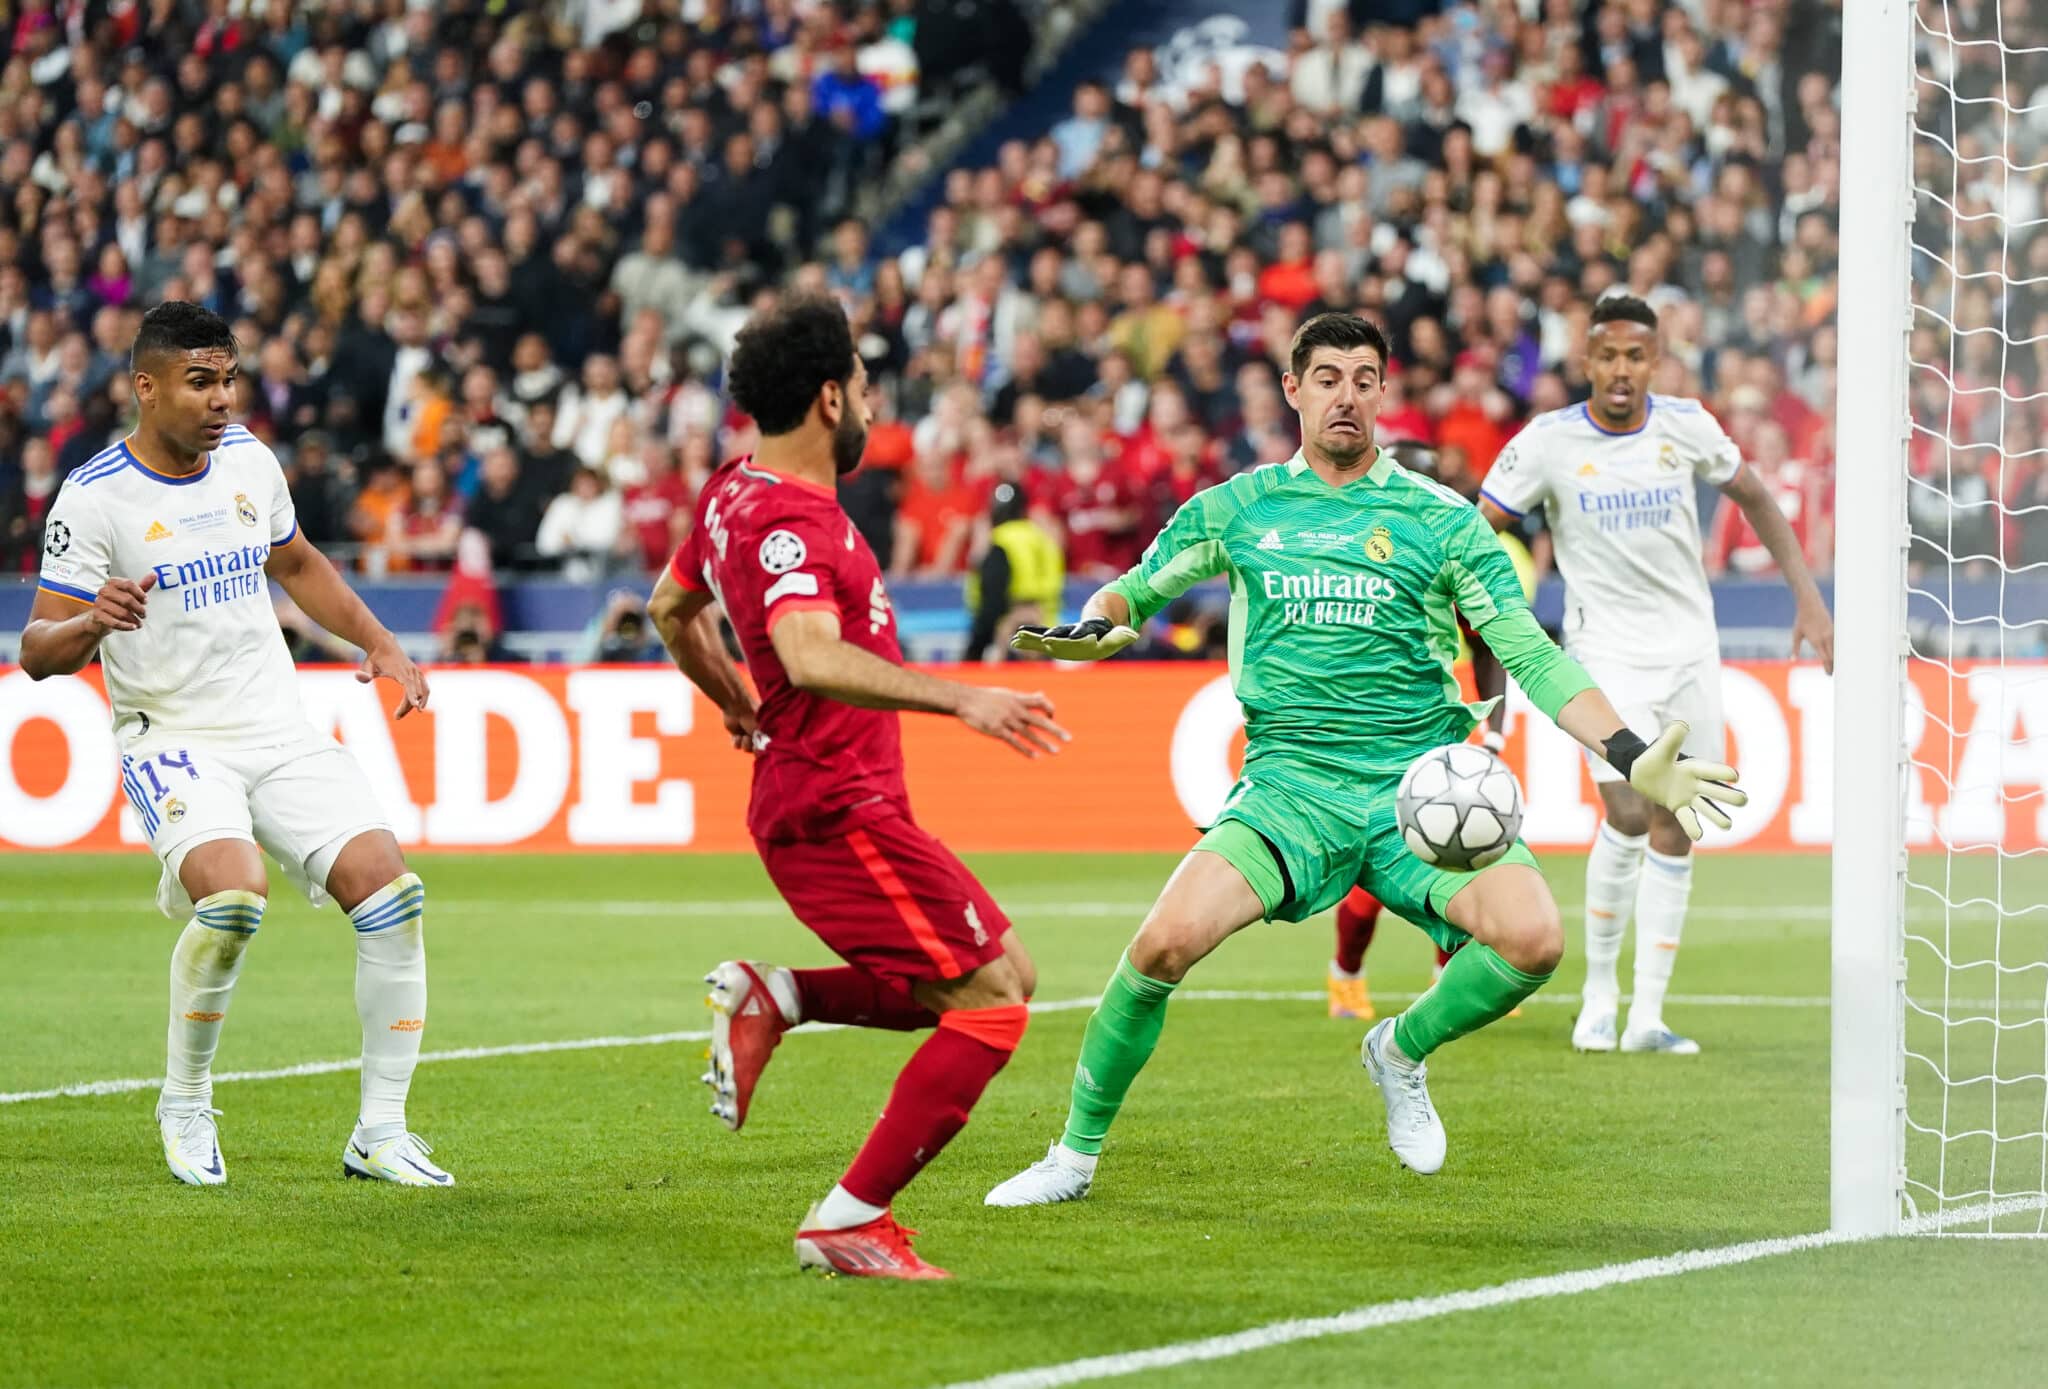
174	810
245	509
1379	545
1667	457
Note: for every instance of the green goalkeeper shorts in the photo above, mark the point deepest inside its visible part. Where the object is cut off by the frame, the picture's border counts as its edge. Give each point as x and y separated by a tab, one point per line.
1331	835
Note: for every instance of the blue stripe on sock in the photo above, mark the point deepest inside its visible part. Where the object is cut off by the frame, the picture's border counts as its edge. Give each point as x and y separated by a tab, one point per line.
385	923
407	905
398	906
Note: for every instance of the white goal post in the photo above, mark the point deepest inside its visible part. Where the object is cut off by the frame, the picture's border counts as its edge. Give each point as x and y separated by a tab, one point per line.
1939	1075
1867	1070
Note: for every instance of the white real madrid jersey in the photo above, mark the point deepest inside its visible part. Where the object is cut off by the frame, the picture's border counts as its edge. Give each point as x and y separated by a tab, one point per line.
1625	525
209	658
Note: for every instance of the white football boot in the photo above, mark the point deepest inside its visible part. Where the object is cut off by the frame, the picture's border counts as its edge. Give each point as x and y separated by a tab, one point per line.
192	1144
1413	1131
401	1160
1595	1029
1061	1175
1658	1038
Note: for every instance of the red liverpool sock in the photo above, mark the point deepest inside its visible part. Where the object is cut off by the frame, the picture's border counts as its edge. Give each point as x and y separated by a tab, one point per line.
933	1095
1357	916
1443	957
853	996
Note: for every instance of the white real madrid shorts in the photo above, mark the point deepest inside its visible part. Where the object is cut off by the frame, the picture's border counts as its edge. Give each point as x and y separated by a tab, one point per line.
1650	697
302	800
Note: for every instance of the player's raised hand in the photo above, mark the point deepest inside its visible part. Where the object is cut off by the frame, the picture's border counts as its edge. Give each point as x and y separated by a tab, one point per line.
388	660
121	604
1089	640
1024	721
1688	787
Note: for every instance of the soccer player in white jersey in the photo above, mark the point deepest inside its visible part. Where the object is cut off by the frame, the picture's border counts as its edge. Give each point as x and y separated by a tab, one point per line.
157	557
1614	477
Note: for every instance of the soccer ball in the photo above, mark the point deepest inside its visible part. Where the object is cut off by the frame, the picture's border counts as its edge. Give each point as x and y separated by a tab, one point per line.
1459	808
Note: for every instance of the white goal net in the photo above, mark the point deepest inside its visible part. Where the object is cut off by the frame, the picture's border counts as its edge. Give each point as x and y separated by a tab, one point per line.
1974	718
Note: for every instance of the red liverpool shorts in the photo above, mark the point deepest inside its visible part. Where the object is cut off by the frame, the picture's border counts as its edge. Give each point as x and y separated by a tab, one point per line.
889	898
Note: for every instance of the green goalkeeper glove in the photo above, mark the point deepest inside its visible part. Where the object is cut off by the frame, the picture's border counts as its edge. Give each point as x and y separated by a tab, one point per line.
1685	786
1091	640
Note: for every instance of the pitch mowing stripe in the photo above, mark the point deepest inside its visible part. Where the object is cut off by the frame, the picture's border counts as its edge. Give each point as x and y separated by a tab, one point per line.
128	1085
1415	1309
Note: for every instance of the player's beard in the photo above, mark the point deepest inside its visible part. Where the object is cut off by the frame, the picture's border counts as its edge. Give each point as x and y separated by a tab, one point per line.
849	442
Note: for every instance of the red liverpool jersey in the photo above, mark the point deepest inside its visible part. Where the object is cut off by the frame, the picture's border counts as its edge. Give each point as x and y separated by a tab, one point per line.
768	545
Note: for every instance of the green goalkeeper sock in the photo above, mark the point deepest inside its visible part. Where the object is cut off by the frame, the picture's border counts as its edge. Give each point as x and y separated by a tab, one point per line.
1476	988
1119	1041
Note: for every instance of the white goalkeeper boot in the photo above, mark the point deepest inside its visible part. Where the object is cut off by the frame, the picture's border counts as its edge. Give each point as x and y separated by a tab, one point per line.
192	1143
400	1159
1061	1175
1413	1130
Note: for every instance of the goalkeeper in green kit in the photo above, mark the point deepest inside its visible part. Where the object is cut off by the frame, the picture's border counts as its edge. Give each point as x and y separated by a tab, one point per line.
1345	570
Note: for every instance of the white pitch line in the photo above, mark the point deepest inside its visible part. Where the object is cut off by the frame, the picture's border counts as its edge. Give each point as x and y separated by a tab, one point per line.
1416	1309
128	1085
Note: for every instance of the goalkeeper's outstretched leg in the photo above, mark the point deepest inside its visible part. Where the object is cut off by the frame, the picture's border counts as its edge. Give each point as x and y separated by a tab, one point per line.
1206	901
1516	943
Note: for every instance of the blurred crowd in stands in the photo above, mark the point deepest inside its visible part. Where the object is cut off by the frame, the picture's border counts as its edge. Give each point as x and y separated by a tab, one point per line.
485	256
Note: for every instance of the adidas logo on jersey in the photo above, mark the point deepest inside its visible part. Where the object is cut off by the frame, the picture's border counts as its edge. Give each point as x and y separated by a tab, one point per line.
157	531
1271	541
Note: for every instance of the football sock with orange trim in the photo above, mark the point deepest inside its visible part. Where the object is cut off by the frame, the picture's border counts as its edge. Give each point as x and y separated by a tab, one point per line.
1660	920
391	999
204	966
1612	870
933	1095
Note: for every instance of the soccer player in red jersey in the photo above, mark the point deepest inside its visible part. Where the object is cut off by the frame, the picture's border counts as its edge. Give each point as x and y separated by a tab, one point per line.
925	944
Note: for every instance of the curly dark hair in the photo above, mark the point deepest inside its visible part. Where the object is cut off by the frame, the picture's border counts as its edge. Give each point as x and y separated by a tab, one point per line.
1342	331
176	325
784	357
1623	308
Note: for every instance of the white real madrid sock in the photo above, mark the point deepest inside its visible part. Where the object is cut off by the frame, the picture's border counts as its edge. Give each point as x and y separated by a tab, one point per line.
391	999
1660	920
204	965
1612	869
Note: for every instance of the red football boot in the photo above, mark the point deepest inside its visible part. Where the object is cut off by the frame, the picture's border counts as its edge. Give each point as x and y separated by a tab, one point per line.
746	1027
878	1249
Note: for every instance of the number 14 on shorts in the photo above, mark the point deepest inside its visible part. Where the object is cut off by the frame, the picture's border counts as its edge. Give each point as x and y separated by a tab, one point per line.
148	781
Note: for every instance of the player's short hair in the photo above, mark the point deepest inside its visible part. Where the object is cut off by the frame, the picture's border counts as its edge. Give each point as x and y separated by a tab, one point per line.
1624	308
784	357
175	326
1342	331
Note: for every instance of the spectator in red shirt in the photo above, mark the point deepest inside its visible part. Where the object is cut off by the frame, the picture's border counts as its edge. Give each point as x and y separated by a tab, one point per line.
1094	507
1190	467
1291	278
653	502
1732	545
935	520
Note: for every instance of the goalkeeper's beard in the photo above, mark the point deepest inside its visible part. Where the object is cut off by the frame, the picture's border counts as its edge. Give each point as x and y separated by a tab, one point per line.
1343	450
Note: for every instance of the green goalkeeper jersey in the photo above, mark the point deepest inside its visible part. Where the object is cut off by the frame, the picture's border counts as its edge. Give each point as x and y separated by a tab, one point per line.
1343	609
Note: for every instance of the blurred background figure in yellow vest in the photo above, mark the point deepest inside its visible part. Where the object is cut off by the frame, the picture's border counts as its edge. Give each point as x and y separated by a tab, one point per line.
1019	579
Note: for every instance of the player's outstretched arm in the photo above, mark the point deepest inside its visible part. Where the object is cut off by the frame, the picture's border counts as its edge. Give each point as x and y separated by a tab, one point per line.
1812	624
1104	629
689	629
63	633
1692	789
817	661
312	582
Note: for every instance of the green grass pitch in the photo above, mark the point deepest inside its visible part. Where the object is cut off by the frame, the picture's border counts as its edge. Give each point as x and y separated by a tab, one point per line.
607	1231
